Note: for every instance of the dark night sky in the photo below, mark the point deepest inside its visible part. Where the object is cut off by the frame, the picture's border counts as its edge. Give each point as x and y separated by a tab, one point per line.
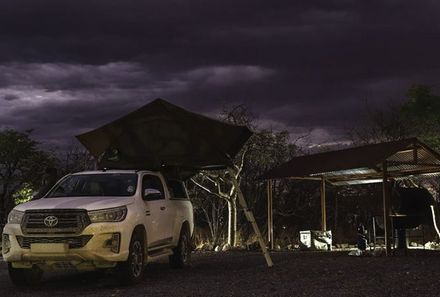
70	66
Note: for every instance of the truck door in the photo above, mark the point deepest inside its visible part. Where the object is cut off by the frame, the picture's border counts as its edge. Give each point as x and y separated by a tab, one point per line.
158	224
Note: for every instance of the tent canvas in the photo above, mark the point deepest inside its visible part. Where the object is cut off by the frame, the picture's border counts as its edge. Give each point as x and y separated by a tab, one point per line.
163	136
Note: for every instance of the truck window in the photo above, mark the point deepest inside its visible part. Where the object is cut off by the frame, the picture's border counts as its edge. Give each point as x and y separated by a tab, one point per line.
152	182
177	189
92	185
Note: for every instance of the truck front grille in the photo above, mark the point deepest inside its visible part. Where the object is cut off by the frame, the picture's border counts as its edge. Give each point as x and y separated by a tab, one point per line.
68	221
74	242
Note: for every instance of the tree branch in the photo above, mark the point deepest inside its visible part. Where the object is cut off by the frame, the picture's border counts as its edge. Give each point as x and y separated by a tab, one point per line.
207	190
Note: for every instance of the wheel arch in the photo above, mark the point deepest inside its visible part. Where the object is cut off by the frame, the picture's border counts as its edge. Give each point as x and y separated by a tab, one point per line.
186	227
140	229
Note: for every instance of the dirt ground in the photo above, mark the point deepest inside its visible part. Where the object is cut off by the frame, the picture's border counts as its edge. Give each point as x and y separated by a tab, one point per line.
246	274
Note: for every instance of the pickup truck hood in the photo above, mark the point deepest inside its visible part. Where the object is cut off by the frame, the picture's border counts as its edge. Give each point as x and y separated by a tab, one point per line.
87	203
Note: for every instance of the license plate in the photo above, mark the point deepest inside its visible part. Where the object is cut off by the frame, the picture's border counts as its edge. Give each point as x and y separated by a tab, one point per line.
49	248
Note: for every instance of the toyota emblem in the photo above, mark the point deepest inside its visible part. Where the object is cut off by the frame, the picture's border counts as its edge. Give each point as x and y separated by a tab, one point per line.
50	221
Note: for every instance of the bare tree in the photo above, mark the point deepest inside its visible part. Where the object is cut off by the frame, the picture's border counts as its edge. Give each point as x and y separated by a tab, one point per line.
74	159
263	150
219	184
382	124
211	210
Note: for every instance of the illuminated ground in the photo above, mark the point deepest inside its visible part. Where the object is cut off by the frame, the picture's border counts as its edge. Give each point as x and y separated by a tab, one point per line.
245	274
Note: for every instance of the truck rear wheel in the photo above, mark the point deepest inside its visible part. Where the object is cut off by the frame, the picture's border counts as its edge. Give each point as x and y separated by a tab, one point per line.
131	271
181	256
25	276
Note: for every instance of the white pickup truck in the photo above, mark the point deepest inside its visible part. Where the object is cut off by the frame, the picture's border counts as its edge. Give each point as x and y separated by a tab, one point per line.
100	219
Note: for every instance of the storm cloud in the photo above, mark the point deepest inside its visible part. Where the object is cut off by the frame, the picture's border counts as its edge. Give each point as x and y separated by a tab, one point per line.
70	66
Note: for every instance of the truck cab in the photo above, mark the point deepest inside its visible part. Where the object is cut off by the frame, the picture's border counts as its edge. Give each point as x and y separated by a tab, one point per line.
92	220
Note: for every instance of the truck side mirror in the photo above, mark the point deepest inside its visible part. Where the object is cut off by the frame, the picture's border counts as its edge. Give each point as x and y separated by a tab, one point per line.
152	194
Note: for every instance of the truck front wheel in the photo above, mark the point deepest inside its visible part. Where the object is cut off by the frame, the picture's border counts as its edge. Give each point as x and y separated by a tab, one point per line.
131	271
25	276
182	253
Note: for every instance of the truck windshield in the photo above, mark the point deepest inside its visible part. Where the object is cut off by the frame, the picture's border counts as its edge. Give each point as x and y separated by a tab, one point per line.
107	184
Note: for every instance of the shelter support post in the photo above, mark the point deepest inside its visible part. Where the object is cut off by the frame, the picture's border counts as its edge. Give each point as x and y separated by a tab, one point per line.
250	217
386	201
323	209
270	214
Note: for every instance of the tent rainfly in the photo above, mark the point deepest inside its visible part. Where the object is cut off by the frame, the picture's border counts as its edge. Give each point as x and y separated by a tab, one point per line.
364	164
161	136
164	137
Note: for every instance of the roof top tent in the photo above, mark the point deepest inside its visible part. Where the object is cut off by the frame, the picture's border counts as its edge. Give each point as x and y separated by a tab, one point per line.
364	164
164	137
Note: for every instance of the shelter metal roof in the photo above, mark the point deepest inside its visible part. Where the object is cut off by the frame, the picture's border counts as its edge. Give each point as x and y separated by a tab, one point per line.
363	164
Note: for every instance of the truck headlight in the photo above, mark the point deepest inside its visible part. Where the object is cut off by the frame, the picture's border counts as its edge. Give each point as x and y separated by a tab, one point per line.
15	217
117	214
6	244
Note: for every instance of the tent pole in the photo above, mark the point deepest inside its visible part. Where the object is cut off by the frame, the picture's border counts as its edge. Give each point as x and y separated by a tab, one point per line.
323	209
386	199
270	214
250	217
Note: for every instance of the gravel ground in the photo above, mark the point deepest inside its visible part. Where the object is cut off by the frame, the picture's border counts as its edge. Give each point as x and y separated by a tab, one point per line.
246	274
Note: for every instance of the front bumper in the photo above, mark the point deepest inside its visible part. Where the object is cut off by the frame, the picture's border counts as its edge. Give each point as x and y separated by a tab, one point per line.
94	254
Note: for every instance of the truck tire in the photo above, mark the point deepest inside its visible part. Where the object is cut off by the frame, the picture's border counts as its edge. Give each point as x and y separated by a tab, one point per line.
181	256
22	277
131	271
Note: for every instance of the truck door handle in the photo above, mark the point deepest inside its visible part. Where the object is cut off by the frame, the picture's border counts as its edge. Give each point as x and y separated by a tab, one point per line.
162	208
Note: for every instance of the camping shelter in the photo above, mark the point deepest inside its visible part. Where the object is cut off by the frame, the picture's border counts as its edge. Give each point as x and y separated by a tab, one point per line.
379	162
163	137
